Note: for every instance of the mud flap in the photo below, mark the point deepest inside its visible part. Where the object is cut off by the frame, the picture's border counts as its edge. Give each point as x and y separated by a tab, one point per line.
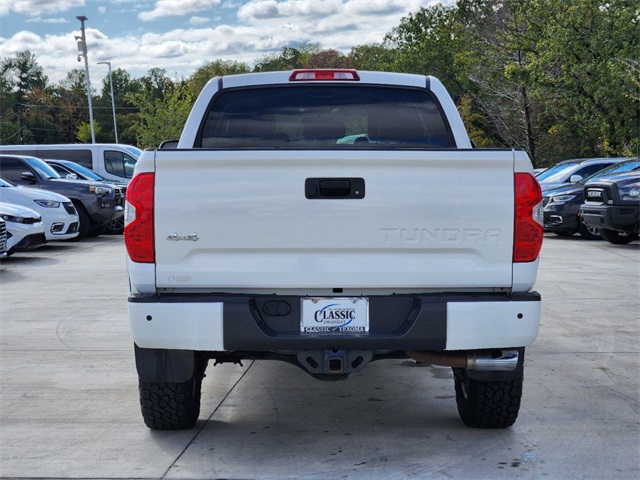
164	366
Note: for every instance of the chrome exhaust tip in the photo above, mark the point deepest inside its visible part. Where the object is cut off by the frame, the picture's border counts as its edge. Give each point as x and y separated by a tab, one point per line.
482	361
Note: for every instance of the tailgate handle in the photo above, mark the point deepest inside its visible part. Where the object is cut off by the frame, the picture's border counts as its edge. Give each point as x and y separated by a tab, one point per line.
334	188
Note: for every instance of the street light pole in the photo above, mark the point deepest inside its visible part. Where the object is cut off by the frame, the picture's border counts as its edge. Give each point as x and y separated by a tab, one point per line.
113	99
82	48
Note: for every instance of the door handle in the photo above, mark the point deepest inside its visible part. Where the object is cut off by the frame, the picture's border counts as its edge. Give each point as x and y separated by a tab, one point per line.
334	188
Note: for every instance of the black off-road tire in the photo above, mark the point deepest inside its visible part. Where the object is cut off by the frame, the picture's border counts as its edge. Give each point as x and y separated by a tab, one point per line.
618	238
170	406
488	404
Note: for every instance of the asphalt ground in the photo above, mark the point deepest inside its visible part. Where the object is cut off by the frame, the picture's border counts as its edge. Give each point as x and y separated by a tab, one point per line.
69	401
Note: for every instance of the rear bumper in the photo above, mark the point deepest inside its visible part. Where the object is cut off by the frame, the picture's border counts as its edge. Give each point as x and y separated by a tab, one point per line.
272	324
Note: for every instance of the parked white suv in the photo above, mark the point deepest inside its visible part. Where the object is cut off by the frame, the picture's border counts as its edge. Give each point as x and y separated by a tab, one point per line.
59	216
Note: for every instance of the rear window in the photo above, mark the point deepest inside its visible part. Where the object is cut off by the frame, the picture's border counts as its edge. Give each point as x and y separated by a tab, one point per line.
324	116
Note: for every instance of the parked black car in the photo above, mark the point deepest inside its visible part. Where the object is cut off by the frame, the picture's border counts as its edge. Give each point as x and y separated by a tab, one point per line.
562	204
72	170
613	206
98	204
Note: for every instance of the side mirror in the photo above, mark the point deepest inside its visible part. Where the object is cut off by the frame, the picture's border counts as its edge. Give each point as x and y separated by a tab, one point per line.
28	177
72	176
575	178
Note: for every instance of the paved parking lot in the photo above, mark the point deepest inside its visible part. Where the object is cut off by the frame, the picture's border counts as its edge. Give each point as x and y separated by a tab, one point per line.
69	403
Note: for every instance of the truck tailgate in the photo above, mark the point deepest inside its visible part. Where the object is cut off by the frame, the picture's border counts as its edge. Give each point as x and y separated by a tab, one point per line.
227	220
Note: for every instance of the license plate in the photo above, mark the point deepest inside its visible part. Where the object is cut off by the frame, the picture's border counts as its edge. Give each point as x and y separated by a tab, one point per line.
594	194
335	315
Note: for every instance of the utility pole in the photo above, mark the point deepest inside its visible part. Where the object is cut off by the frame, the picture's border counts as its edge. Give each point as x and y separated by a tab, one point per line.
82	48
113	99
21	108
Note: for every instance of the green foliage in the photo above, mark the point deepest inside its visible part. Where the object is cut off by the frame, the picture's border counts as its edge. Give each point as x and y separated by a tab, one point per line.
83	134
584	51
288	59
202	75
557	78
161	118
23	74
372	57
306	56
475	122
433	41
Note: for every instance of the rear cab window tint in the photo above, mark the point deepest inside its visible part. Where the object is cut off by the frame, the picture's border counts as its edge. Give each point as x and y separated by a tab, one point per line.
324	116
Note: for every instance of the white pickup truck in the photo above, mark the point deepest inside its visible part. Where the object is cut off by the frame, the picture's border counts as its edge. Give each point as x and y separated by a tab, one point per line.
330	218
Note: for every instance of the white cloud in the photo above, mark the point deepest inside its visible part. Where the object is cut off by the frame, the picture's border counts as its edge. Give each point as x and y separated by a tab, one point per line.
198	20
47	20
35	8
172	8
265	9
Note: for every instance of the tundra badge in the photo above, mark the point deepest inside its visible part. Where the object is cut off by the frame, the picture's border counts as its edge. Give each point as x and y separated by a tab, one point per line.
174	237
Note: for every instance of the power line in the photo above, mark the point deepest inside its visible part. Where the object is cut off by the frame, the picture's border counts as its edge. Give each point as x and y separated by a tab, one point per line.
79	107
2	140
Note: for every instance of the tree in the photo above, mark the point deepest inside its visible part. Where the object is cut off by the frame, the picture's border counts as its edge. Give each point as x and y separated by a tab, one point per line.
500	39
582	65
163	118
202	75
434	41
23	73
83	133
156	84
19	76
72	105
372	57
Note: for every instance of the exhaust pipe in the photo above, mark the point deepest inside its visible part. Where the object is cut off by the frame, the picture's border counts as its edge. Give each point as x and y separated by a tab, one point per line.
480	361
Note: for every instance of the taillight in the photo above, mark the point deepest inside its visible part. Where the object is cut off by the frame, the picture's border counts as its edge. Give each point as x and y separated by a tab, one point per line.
528	232
323	74
138	219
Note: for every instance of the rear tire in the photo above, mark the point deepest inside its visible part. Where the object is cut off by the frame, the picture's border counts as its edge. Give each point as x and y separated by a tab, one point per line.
170	406
488	404
618	238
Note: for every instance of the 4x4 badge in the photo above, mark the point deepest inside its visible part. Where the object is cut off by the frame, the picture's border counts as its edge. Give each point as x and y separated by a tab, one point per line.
174	237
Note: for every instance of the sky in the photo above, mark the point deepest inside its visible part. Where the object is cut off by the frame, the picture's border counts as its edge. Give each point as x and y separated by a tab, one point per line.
182	35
